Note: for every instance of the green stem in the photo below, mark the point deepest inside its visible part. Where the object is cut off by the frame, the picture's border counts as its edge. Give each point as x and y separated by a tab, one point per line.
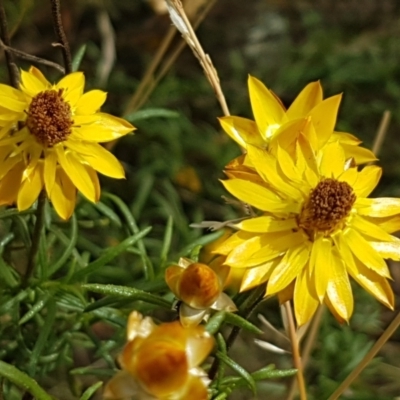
37	232
248	306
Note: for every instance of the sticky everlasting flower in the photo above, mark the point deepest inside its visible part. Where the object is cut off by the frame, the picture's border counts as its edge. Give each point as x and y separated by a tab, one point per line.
199	287
49	139
316	228
275	125
161	362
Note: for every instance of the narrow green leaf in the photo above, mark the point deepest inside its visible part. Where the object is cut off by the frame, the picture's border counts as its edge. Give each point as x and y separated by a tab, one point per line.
37	307
167	240
92	371
109	255
215	322
151	113
42	339
270	373
23	381
73	236
239	369
223	349
237	320
202	241
109	213
8	305
132	225
11	212
128	292
77	59
90	391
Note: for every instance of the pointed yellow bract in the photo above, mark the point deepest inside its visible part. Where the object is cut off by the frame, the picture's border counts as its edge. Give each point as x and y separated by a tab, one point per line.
315	227
161	362
49	140
200	288
309	114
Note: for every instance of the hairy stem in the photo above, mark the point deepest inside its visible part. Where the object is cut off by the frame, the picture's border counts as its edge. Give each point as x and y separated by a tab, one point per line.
61	37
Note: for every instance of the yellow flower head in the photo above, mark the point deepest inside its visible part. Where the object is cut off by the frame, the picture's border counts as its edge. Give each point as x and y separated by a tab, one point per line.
199	287
49	139
161	362
274	125
316	227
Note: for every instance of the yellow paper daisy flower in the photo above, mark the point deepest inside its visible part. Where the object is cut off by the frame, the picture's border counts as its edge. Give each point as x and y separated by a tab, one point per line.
49	139
275	125
200	290
316	227
161	362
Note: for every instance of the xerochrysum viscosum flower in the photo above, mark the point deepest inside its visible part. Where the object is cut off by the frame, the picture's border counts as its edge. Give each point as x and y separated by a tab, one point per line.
200	289
49	139
274	125
161	362
316	228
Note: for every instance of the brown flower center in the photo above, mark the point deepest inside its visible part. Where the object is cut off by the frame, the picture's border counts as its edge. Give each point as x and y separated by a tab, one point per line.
49	118
328	206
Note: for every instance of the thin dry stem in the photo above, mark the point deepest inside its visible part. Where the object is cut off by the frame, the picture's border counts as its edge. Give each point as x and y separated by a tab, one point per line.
29	57
381	132
12	68
61	37
295	350
308	346
205	61
368	357
149	74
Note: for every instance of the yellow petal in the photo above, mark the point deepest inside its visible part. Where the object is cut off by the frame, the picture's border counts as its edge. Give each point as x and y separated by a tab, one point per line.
259	197
63	195
241	130
77	173
72	85
38	74
305	299
95	180
367	180
339	290
350	176
229	244
365	253
90	102
31	84
275	247
287	165
267	110
11	103
360	155
381	207
172	275
50	164
10	184
266	166
332	161
373	283
322	257
307	99
289	268
370	229
258	275
239	256
98	158
286	135
345	138
267	224
31	188
324	117
387	249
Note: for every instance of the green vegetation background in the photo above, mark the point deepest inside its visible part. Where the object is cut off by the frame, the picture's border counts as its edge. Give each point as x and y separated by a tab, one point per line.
351	46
